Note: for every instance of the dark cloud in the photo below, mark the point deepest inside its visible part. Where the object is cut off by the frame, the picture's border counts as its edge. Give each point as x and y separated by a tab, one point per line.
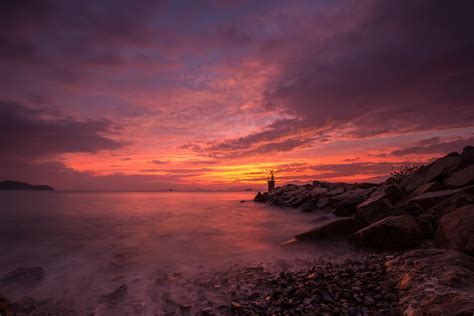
27	133
435	145
281	136
403	66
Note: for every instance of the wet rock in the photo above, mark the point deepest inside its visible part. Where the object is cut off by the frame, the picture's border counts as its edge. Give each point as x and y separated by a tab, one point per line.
380	204
261	197
456	230
23	275
335	229
434	282
394	232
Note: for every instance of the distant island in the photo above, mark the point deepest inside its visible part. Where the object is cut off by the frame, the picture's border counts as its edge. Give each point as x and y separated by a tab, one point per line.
17	185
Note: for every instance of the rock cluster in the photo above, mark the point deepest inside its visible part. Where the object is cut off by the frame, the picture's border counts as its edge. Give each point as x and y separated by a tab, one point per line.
435	203
352	287
357	286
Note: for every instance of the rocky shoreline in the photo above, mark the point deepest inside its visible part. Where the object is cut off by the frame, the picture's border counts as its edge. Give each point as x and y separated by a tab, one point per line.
432	205
413	241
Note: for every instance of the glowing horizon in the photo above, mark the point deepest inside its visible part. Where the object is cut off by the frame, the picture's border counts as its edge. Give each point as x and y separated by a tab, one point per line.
212	95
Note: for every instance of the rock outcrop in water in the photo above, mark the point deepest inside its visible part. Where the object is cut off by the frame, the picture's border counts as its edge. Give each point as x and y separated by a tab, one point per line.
16	185
436	199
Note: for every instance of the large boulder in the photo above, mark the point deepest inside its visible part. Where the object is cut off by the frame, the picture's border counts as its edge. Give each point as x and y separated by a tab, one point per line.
427	187
450	204
434	172
380	204
430	199
338	228
23	275
461	177
394	232
434	282
456	230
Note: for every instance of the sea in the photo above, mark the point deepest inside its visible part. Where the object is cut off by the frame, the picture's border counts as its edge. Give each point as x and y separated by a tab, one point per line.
91	242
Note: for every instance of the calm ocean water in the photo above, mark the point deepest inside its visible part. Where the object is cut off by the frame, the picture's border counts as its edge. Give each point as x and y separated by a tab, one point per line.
88	242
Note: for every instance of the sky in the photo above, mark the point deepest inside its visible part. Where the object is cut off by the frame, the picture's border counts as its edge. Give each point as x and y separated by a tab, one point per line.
152	95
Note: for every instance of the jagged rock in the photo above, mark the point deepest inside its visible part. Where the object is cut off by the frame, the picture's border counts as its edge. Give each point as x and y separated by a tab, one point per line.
456	230
23	275
261	197
434	282
380	204
427	187
448	205
430	199
338	228
6	308
29	306
394	232
461	177
437	170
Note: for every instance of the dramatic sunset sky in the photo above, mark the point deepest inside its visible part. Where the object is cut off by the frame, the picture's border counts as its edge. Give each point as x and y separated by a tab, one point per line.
211	94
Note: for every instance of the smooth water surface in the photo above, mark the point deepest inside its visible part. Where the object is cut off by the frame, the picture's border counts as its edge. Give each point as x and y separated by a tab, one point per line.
88	242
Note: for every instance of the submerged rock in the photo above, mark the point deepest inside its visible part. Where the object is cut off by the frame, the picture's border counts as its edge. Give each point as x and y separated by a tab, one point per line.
23	275
434	282
394	232
456	230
